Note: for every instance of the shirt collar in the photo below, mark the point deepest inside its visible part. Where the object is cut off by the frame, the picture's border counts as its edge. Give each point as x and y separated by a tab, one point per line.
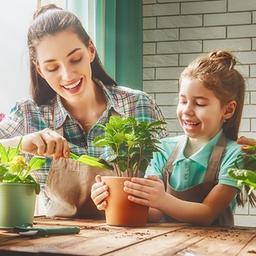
60	113
112	98
202	156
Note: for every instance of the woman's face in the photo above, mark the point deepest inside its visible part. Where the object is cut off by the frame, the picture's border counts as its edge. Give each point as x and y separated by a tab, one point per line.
64	62
199	111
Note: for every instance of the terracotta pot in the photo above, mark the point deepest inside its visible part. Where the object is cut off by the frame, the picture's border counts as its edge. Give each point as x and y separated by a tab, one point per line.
120	211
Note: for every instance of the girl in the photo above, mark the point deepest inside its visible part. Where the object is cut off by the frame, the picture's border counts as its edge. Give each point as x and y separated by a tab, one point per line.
71	93
193	167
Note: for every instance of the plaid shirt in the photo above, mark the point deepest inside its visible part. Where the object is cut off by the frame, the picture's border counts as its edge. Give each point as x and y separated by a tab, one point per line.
26	117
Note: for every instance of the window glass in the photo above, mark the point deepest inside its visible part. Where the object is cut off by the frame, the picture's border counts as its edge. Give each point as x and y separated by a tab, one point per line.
15	17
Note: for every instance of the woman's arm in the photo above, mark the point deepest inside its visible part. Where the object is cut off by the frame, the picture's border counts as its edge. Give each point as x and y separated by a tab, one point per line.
151	193
11	142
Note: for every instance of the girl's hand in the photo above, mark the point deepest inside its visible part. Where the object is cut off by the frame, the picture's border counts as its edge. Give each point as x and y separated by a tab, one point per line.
99	193
45	143
146	191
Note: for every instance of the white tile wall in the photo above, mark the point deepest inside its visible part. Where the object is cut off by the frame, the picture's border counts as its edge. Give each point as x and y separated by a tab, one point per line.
177	31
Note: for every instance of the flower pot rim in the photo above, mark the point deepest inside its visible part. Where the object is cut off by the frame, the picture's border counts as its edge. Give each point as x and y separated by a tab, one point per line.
115	177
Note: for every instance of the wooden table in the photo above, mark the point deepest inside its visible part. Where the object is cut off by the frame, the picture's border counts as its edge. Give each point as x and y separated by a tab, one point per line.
96	238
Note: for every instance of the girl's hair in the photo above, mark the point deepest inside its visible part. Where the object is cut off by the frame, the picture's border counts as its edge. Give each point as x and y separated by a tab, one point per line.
218	74
49	20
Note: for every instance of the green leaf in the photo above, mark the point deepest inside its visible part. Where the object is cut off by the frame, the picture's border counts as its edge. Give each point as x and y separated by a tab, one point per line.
245	177
3	154
73	156
3	171
92	161
36	163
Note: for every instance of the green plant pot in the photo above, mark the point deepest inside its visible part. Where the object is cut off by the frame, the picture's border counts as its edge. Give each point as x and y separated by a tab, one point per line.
17	204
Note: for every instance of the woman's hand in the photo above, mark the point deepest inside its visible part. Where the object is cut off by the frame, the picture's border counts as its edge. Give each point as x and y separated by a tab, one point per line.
246	141
45	143
99	193
146	191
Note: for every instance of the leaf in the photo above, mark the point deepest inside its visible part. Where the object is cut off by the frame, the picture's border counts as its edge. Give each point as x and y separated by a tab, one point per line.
36	163
12	152
3	153
73	156
3	170
92	161
245	177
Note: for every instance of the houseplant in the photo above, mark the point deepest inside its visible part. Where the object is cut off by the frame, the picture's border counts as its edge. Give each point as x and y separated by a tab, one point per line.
244	172
131	146
18	188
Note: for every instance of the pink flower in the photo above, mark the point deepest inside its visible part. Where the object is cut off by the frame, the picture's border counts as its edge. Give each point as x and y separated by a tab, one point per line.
2	115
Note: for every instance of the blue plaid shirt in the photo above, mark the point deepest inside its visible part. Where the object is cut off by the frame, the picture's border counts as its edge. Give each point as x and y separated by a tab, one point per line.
26	117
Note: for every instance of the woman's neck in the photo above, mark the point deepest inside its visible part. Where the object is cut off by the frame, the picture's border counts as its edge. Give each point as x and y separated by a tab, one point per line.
89	108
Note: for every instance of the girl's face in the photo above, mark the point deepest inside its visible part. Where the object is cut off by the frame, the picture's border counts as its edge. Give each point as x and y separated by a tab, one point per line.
64	62
199	111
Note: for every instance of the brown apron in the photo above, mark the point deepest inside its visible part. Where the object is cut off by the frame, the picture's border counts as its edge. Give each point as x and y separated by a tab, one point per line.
198	192
68	188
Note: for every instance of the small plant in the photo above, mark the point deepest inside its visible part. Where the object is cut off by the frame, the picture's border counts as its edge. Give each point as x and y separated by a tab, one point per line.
244	171
15	169
132	144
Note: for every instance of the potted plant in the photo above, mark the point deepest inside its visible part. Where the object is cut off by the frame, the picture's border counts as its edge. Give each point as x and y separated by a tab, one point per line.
131	146
18	188
244	172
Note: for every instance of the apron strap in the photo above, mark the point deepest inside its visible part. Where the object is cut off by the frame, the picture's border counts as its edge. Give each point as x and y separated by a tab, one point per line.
215	159
169	165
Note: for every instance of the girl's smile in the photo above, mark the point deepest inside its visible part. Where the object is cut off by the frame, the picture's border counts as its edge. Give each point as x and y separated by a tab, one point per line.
199	111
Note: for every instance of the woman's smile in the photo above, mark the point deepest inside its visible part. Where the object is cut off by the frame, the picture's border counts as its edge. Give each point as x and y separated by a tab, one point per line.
73	88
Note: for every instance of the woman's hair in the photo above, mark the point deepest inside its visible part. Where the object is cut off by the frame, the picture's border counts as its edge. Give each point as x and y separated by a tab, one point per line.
218	74
49	20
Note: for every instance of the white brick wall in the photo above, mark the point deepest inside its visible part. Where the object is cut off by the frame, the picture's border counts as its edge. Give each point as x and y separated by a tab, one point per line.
177	31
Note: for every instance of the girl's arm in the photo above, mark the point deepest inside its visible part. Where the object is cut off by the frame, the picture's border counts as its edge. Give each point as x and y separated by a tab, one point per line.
201	213
151	193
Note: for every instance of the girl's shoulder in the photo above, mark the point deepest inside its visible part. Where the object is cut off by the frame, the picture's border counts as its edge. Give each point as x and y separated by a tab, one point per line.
232	151
232	147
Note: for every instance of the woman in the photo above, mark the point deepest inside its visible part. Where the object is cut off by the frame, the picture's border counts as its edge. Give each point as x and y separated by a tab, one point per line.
71	95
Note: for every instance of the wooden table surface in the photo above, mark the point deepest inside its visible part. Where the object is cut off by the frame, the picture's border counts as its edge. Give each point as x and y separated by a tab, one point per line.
97	238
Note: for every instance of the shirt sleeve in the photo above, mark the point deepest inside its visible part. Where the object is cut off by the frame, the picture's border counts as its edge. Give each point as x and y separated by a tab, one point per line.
13	124
148	110
231	153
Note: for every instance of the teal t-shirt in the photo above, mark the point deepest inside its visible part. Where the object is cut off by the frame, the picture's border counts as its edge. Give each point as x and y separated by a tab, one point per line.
190	171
